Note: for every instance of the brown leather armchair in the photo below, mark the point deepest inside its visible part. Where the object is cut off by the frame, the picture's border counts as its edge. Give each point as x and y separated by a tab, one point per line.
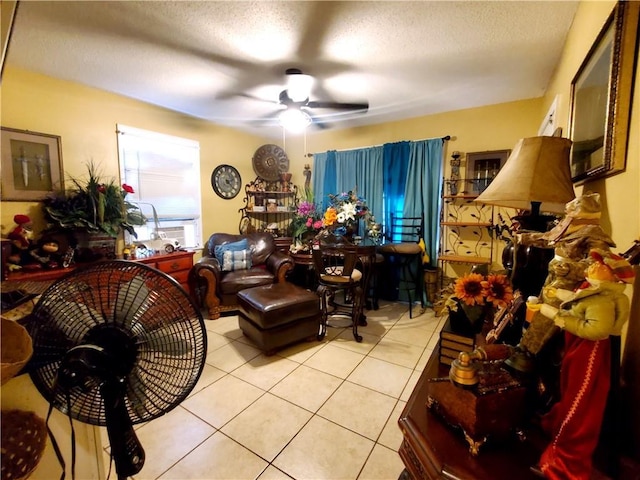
215	290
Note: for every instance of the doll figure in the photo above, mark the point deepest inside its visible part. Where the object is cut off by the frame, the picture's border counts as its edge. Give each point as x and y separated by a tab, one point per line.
592	313
571	239
21	241
46	255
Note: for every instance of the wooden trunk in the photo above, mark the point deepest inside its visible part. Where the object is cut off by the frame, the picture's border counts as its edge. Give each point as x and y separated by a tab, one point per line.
492	410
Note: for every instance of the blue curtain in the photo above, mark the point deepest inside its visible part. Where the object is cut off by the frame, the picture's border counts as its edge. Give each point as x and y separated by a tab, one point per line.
360	169
423	189
324	179
402	177
395	161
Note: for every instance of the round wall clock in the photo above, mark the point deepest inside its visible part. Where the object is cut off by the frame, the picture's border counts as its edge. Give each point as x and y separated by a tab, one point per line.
226	181
269	161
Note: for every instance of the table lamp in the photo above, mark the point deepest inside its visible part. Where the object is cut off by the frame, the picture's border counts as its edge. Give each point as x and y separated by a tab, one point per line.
536	178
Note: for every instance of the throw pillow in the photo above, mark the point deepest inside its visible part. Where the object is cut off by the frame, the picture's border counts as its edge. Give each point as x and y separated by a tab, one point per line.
233	246
236	260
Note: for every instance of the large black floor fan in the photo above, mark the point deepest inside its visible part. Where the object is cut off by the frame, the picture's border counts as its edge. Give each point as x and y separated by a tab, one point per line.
115	344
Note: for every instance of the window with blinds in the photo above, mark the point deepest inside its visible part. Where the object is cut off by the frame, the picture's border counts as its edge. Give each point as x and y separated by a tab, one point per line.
164	172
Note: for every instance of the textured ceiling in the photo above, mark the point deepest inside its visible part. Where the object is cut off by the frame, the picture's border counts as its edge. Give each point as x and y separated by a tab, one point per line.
225	61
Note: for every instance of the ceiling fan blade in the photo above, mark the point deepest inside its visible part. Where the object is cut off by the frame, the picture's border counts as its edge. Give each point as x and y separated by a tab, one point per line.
269	119
338	105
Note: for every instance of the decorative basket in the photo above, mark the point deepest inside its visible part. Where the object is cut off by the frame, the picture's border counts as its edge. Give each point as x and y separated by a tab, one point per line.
24	437
17	349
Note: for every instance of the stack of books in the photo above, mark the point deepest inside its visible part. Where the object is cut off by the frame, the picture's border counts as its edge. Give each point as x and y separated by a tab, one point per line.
452	343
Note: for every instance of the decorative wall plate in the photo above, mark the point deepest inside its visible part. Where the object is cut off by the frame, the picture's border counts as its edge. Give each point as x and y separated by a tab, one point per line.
269	161
226	181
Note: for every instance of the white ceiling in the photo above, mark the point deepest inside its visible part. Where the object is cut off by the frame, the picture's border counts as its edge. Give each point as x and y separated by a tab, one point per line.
225	61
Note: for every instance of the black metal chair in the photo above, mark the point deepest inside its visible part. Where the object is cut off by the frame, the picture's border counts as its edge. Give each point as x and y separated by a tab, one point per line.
334	261
403	255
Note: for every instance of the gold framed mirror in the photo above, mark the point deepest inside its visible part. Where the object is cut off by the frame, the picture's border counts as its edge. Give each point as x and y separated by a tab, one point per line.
601	94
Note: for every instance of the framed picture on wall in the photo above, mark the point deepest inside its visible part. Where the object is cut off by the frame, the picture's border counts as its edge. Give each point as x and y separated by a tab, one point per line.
482	168
31	165
601	98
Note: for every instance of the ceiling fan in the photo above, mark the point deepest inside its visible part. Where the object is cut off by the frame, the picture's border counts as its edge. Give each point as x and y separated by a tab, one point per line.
295	98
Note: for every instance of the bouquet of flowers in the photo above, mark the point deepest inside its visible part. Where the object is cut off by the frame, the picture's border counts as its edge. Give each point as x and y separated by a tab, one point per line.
345	212
475	297
306	223
306	220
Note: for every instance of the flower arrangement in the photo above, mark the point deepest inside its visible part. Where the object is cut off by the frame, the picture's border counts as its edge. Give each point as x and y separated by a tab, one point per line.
476	296
346	211
306	223
93	206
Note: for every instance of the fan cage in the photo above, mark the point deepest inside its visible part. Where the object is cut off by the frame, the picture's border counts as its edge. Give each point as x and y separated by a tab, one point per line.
150	308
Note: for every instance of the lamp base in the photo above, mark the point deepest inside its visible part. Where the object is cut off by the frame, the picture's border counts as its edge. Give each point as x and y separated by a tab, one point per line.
527	267
535	223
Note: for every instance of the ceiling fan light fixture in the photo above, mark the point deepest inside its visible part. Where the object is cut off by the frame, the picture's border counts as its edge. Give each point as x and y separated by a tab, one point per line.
299	86
294	120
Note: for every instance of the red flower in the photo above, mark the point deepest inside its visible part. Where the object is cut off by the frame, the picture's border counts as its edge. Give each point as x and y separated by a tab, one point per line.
127	188
102	188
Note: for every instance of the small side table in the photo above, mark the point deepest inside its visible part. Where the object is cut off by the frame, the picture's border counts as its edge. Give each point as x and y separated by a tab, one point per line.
303	274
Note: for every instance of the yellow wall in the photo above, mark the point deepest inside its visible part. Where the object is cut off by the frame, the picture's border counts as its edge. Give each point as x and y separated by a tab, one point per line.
86	118
495	127
619	193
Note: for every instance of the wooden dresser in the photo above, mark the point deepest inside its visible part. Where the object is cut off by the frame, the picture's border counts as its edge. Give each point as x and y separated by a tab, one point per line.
176	264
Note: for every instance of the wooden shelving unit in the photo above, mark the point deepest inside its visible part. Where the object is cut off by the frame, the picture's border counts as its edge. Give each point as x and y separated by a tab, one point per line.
465	231
268	207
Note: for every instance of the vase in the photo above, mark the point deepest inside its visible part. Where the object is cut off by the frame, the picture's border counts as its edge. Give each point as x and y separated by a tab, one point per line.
93	247
466	319
306	239
351	232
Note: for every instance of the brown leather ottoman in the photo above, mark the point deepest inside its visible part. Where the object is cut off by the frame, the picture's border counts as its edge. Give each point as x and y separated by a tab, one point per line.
279	314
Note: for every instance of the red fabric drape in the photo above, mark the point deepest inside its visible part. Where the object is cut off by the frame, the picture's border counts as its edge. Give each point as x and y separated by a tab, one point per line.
574	422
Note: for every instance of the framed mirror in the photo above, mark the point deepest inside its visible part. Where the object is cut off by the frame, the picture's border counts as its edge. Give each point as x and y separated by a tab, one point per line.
601	95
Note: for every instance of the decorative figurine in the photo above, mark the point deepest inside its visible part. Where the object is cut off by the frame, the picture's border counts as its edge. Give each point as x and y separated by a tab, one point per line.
285	179
46	255
21	239
589	316
307	179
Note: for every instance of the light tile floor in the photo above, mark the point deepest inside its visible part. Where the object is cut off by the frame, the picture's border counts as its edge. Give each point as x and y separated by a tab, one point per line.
316	410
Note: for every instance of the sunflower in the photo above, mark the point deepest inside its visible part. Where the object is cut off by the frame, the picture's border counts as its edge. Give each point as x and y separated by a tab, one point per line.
497	290
470	290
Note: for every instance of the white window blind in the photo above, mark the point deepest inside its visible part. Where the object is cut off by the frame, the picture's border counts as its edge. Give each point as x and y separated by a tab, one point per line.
164	171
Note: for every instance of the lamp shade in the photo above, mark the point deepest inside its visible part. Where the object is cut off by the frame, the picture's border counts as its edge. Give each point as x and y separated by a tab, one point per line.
536	172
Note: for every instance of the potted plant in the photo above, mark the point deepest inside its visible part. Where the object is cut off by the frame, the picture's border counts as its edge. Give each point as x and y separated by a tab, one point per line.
475	299
92	207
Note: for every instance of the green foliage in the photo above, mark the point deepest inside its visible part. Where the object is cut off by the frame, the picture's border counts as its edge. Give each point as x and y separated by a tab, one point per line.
93	206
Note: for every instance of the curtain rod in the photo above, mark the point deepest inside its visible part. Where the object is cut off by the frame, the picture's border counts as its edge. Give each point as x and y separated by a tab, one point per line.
444	139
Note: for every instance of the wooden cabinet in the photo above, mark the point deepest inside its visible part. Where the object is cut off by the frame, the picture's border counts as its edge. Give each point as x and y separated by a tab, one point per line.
176	264
269	207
